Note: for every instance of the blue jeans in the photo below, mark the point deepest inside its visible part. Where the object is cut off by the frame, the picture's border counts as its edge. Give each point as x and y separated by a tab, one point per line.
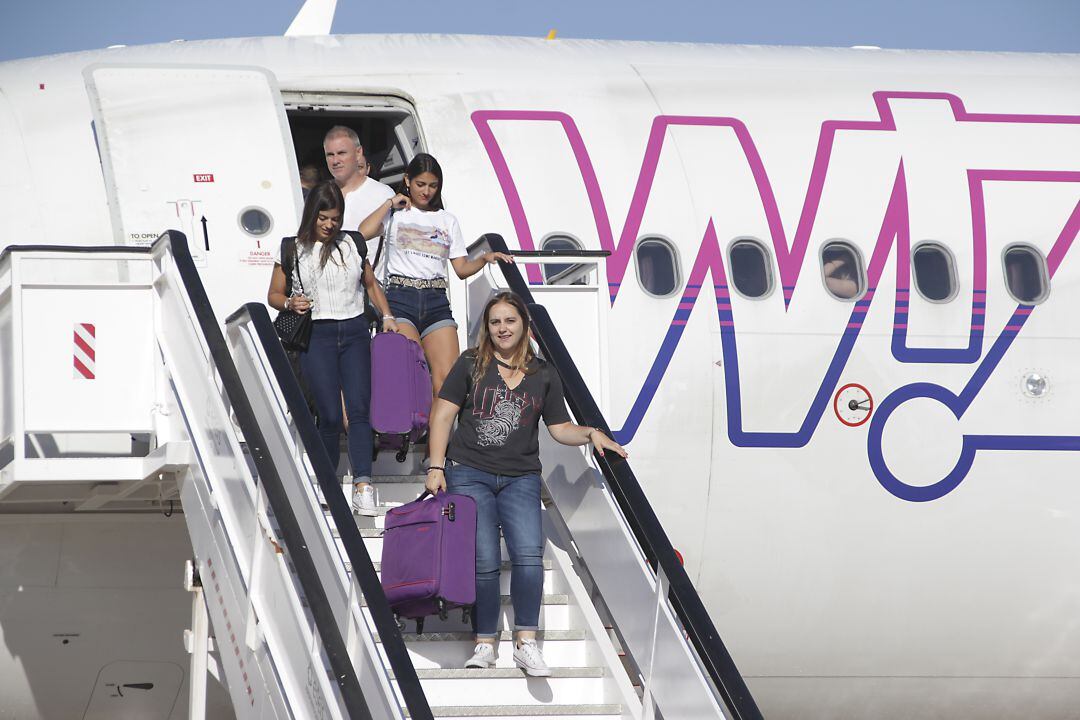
338	363
513	502
426	309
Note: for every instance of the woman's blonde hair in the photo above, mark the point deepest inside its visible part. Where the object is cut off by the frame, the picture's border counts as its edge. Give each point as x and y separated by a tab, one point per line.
521	356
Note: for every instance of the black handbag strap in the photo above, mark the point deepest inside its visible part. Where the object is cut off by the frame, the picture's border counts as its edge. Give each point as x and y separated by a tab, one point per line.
359	243
290	263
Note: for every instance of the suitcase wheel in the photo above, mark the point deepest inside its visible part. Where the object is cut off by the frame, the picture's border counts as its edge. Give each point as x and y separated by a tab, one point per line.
443	612
403	452
464	616
400	622
419	626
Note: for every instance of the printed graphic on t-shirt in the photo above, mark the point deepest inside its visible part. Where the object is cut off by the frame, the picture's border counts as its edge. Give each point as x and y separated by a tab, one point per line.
501	412
425	239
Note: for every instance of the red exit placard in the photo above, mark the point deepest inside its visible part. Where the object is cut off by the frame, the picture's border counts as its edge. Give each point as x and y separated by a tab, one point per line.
204	177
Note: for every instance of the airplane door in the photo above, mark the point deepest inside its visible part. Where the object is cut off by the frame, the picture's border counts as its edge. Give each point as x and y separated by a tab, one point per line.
205	150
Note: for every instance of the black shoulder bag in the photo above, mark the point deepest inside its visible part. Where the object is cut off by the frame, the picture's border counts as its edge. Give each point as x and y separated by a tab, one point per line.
292	327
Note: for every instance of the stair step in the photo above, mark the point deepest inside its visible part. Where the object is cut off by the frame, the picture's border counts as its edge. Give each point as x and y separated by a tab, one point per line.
551	582
552	599
502	673
519	689
453	649
565	712
391	479
505	567
364	532
373	540
553	617
507	635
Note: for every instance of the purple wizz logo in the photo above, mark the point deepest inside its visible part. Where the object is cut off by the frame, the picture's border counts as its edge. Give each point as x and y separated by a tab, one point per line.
790	257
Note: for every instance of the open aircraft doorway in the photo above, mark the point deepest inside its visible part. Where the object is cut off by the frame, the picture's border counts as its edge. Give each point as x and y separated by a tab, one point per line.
386	125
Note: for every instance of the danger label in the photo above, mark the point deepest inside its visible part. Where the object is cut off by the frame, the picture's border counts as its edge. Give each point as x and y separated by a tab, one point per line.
258	258
204	177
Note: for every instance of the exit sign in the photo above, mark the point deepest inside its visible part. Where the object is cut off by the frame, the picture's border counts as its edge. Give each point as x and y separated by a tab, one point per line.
204	177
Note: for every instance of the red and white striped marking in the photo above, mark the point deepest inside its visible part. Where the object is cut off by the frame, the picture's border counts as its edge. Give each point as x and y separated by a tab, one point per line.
84	353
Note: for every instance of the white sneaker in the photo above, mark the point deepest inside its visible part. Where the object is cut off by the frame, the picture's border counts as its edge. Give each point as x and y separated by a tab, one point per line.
528	657
363	501
483	656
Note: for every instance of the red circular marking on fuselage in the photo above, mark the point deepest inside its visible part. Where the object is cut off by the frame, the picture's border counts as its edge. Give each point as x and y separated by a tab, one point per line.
836	409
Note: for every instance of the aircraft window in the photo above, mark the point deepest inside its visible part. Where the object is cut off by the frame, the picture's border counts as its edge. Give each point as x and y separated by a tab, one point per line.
657	266
1025	274
935	272
842	271
554	272
751	269
255	221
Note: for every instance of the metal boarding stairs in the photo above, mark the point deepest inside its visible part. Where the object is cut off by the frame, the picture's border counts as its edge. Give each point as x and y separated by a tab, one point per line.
287	609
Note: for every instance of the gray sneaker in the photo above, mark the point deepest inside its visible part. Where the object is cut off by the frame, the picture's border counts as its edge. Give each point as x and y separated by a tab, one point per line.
528	657
483	656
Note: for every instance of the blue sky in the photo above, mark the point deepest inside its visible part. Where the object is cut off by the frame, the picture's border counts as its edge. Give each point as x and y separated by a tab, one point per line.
40	27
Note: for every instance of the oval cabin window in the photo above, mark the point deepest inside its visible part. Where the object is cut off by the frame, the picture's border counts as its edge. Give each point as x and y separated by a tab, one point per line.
751	269
255	221
554	272
1025	274
657	267
842	271
935	272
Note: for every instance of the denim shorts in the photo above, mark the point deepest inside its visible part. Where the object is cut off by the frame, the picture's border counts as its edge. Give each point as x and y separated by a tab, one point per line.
426	309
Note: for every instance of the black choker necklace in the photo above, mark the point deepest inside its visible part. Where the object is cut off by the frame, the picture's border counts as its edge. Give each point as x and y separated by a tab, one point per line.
502	364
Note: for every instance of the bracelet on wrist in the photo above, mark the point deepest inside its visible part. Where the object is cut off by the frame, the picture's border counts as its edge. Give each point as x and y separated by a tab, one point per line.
388	317
436	467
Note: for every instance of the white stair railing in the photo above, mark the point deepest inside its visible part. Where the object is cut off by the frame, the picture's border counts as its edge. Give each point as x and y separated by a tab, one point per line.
290	437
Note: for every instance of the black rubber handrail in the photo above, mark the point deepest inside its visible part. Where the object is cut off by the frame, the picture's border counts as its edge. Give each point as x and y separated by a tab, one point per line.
363	569
634	504
295	543
556	253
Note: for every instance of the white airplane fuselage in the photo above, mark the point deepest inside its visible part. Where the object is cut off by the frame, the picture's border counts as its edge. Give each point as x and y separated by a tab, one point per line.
909	555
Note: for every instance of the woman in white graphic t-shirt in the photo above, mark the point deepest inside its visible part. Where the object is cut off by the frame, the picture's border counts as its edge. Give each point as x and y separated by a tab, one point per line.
420	238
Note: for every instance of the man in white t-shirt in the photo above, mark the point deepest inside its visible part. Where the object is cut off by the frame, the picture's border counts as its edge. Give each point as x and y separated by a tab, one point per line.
346	162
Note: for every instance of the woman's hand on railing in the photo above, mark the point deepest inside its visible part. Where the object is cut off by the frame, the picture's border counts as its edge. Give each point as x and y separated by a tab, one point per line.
493	257
602	442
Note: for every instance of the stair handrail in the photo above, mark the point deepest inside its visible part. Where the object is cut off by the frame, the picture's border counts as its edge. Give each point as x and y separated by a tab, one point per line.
362	567
292	537
629	495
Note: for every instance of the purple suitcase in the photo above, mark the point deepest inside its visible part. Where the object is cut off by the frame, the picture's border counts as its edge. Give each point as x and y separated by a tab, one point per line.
400	392
429	556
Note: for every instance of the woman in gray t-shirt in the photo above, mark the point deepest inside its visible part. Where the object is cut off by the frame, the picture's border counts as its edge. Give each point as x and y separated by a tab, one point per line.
498	392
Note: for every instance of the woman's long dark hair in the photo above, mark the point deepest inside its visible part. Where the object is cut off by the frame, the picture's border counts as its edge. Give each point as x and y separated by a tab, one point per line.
324	196
424	163
485	348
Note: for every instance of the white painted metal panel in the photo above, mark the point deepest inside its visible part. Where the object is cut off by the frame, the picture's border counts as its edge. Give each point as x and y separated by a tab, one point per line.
16	184
191	148
121	395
